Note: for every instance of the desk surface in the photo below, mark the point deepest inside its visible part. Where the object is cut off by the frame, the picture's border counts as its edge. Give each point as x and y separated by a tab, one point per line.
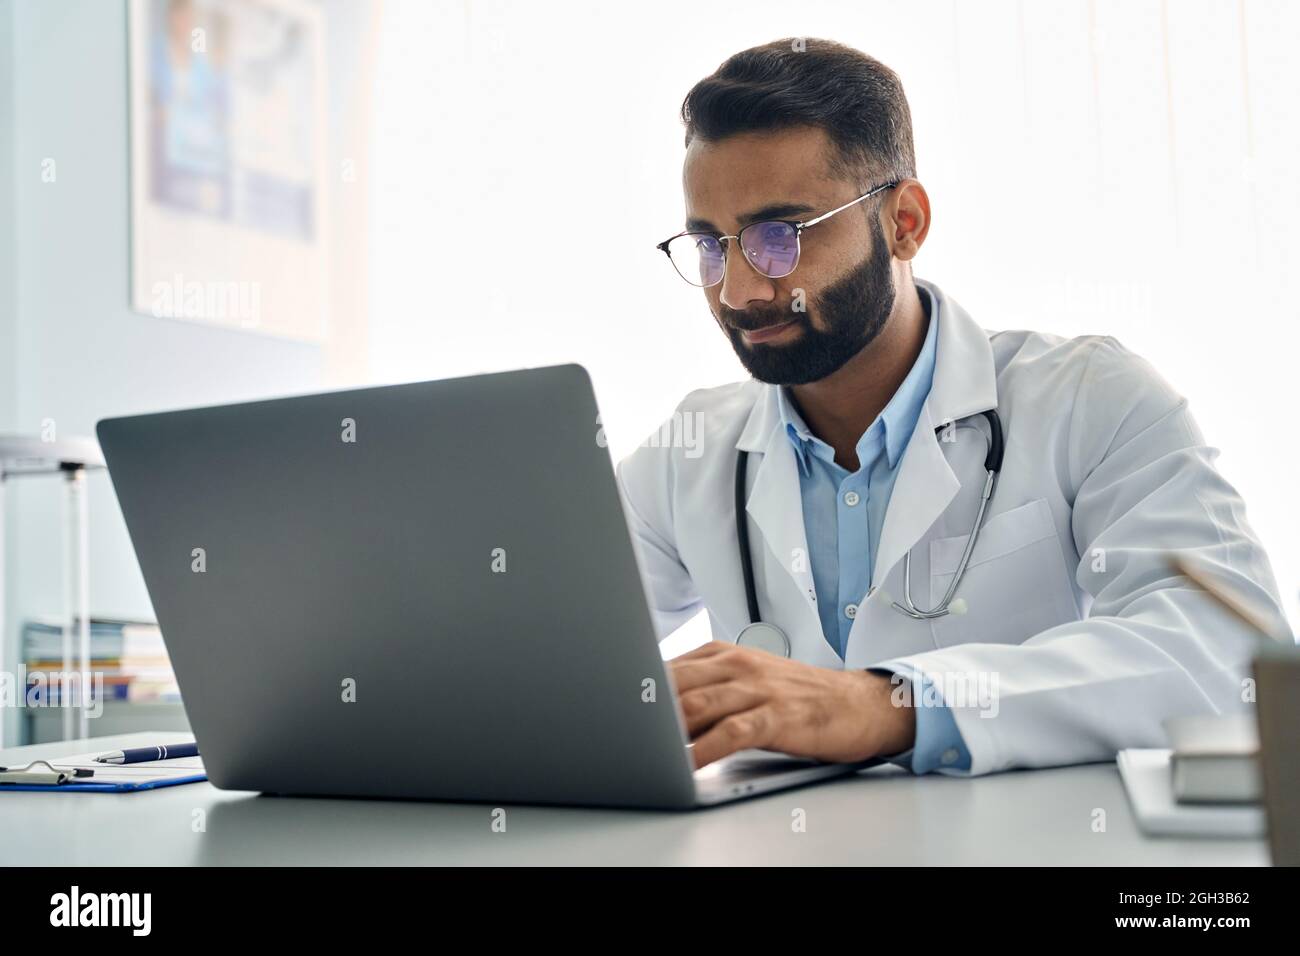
881	817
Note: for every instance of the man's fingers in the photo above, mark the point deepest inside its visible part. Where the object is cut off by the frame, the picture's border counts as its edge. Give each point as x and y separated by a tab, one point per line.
750	728
705	706
719	661
688	675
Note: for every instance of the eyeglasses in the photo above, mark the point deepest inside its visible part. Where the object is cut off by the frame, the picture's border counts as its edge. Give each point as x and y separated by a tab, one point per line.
771	247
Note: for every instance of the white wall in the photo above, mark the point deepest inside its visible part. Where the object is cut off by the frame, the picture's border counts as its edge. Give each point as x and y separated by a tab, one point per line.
8	235
79	353
8	297
1118	166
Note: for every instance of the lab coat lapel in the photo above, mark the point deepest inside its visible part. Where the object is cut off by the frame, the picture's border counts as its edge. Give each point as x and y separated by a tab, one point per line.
964	384
925	486
775	502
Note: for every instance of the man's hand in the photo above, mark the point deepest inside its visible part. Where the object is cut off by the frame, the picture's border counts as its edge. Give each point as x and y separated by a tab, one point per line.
735	697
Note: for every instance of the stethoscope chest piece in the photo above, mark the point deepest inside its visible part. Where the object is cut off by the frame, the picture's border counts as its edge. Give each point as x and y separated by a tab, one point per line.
764	637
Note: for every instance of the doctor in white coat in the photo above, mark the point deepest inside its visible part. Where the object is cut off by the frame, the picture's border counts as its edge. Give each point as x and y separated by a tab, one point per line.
1068	636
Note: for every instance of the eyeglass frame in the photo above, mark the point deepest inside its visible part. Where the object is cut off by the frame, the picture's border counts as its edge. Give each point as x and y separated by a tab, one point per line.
799	227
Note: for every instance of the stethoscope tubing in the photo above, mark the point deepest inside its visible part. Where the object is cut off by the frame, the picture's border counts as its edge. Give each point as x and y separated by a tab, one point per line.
992	466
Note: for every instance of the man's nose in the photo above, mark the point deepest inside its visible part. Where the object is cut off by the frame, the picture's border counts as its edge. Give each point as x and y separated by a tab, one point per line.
741	283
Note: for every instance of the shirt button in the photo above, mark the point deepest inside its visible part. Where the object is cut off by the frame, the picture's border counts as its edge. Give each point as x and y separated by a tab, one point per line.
850	611
851	498
949	755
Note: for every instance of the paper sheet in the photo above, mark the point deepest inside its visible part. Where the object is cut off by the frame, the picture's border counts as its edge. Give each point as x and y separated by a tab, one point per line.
135	773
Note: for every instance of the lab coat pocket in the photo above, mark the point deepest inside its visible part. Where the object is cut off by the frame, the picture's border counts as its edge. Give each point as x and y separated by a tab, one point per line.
1015	585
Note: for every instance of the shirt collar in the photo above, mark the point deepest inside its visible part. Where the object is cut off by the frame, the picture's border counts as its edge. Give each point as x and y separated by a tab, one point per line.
898	419
800	437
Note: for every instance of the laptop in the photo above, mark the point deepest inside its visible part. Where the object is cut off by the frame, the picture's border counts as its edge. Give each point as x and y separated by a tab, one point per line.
423	591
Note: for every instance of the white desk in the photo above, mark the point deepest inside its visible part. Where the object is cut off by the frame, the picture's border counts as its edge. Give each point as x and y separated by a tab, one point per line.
882	817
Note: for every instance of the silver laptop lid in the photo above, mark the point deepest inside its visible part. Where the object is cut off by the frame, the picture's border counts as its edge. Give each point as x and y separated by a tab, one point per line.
422	590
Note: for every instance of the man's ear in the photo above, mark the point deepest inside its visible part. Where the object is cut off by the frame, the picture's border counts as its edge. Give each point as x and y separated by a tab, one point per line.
907	218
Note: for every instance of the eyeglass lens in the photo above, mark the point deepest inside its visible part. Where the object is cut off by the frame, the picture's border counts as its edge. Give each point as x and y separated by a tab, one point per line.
772	248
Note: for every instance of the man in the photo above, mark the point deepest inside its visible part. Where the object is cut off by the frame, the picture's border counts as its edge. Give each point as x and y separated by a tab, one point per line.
866	433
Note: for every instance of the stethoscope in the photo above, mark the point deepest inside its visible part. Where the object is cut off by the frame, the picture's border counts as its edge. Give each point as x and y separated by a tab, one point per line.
768	637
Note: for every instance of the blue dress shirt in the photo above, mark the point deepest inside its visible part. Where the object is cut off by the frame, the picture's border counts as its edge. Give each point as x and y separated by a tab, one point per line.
843	513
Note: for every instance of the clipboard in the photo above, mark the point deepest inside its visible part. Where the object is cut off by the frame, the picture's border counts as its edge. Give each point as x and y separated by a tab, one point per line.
81	774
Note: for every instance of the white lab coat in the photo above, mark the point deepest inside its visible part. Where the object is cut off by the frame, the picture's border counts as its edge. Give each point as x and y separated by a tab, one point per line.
1077	640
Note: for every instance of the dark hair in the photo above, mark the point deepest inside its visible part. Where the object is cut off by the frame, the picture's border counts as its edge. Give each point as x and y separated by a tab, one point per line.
857	100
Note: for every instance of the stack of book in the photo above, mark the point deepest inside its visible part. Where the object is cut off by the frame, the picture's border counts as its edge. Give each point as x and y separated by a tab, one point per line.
130	655
1215	759
1207	783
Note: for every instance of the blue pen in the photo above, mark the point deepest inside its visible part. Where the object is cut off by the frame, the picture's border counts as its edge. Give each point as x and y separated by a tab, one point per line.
143	754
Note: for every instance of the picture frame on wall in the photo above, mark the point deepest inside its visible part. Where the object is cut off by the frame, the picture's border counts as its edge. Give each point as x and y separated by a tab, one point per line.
228	208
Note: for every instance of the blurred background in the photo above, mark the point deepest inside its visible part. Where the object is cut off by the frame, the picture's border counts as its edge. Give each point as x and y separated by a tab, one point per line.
206	202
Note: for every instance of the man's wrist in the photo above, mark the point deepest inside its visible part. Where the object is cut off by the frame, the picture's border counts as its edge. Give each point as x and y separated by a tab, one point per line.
892	719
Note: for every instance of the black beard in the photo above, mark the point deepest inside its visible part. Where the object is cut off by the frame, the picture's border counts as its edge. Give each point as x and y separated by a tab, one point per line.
854	310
